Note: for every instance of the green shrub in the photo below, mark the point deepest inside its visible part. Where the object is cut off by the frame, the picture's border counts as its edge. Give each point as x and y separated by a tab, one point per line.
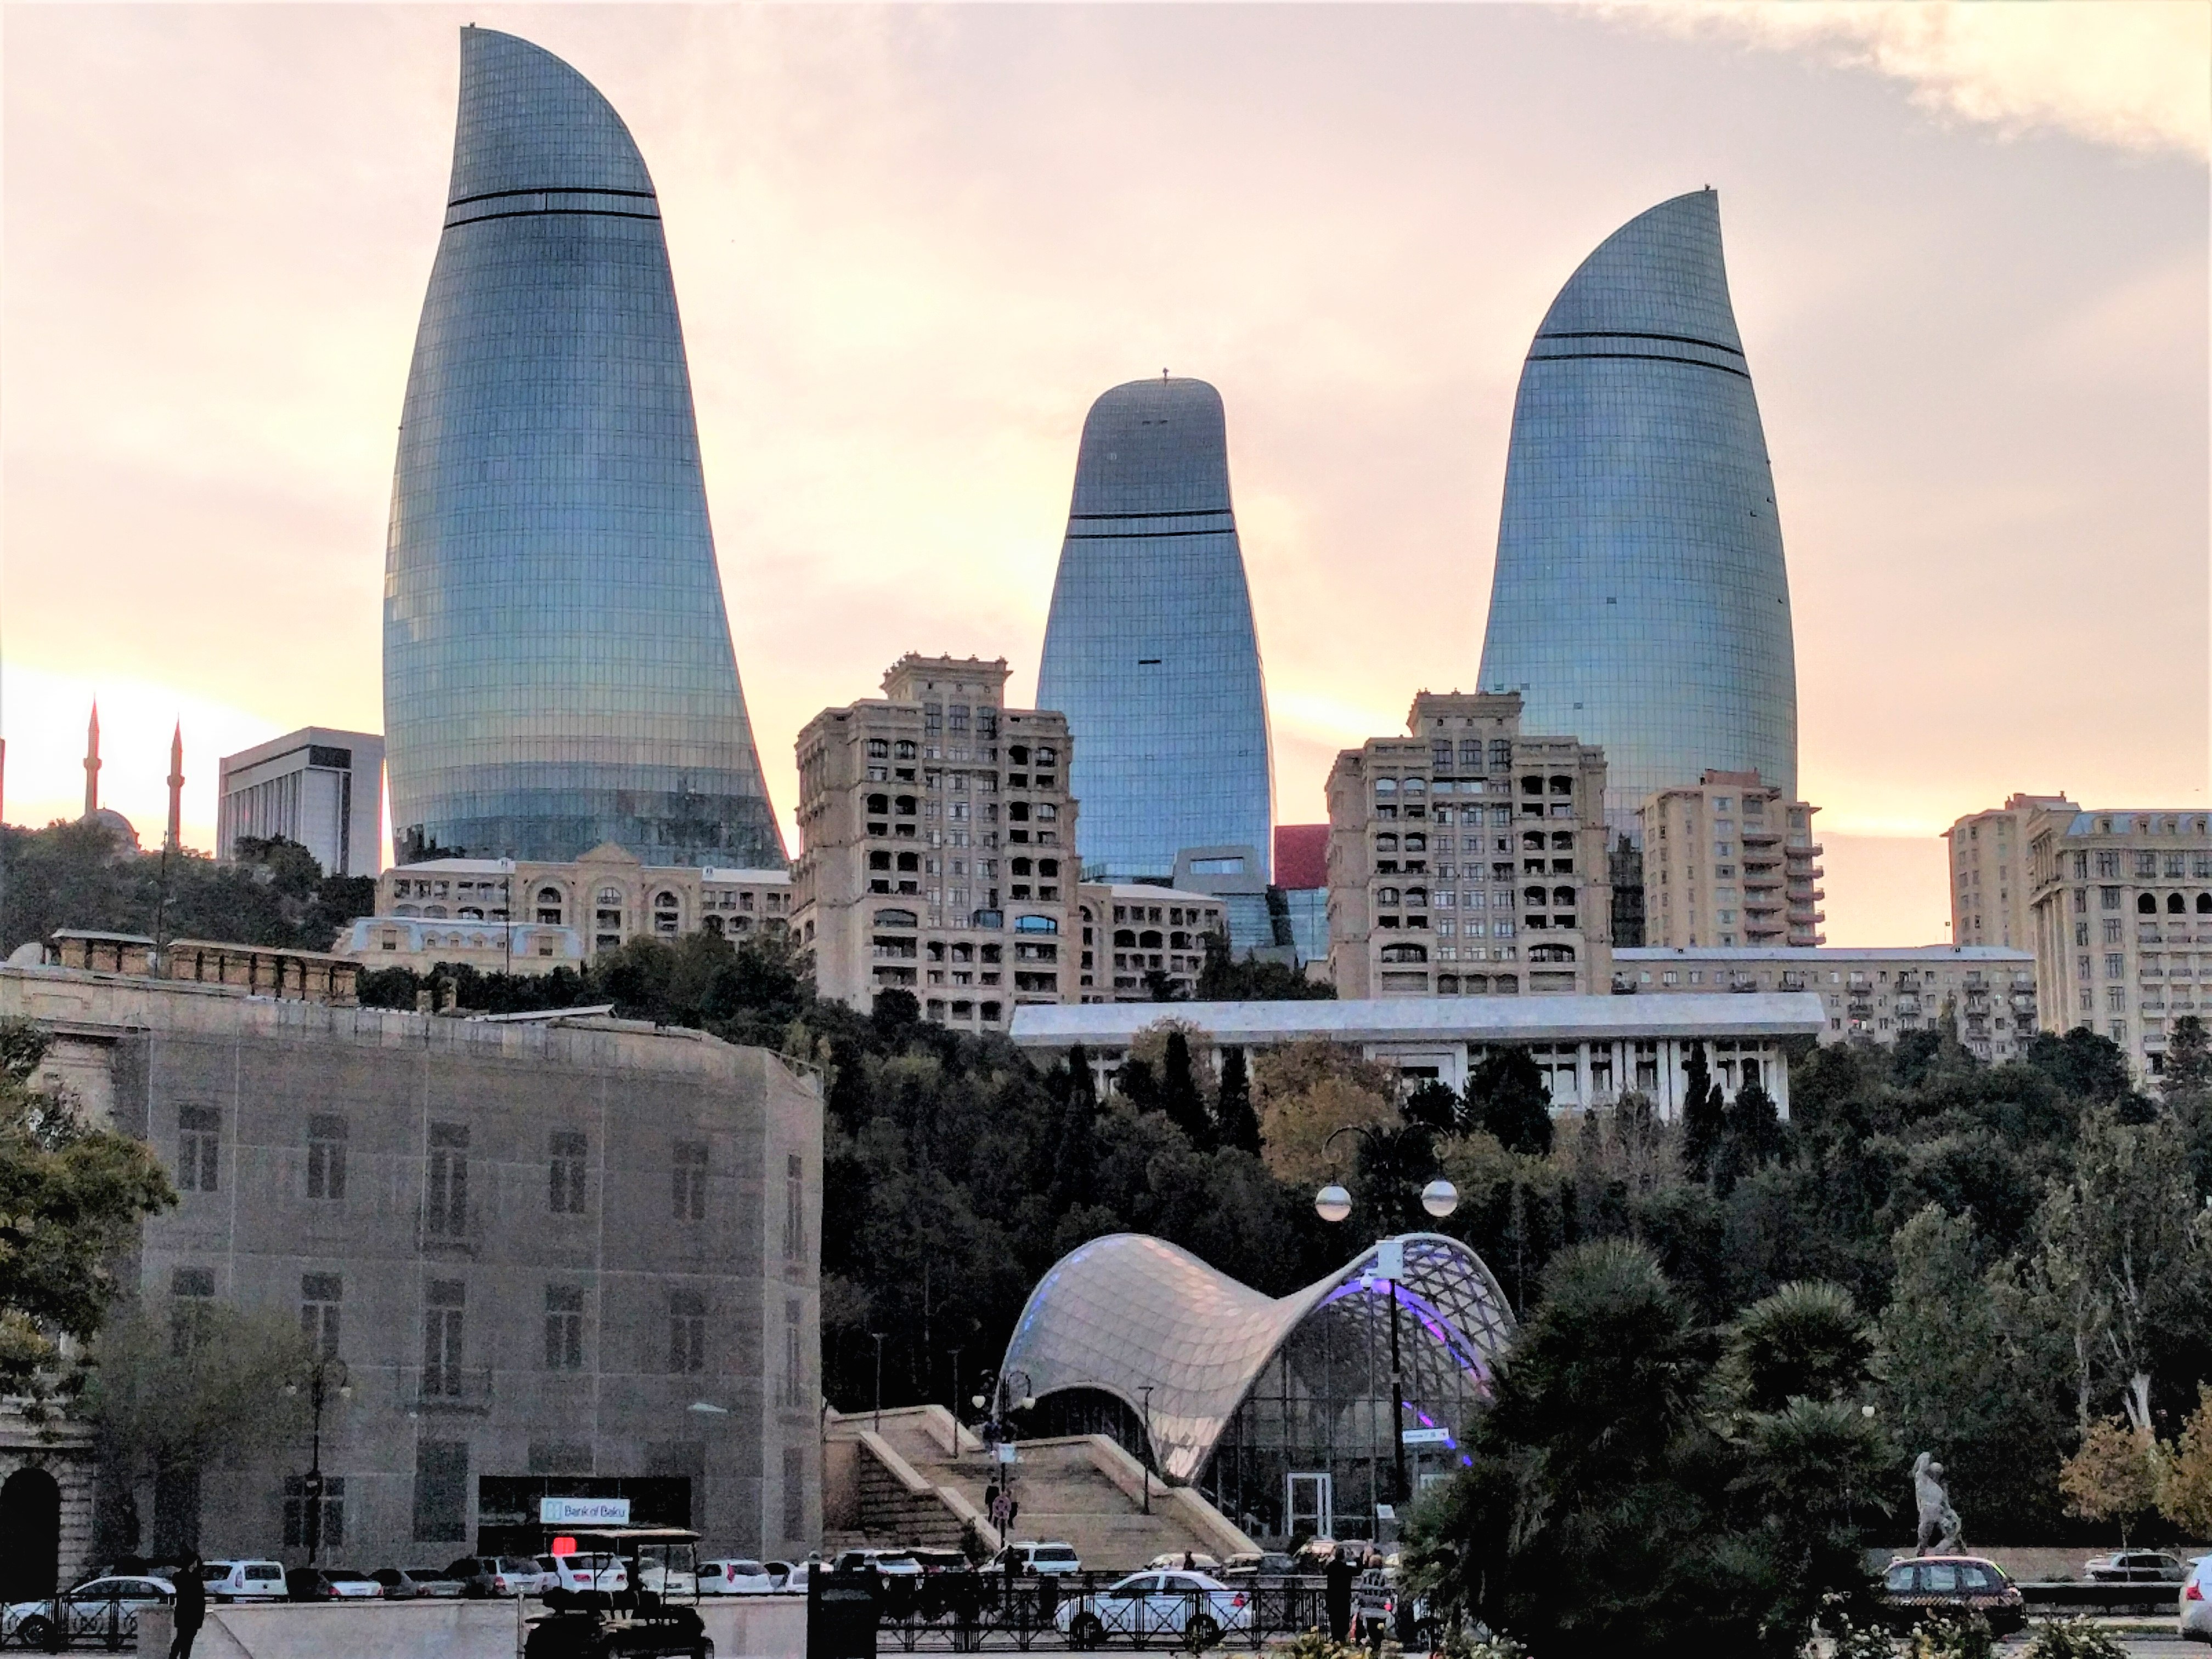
2073	1639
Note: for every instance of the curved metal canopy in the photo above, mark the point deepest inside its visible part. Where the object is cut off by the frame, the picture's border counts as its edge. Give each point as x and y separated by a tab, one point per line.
1129	1311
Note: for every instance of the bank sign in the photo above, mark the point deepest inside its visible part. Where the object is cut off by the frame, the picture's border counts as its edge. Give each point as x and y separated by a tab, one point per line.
583	1511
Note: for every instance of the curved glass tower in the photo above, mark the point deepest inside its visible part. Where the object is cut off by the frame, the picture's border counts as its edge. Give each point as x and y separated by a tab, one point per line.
557	668
1639	599
1150	650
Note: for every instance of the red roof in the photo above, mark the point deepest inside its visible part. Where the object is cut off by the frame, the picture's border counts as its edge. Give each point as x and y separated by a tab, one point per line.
1301	855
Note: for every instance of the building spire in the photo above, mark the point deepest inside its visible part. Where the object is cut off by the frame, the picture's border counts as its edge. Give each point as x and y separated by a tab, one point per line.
92	762
175	839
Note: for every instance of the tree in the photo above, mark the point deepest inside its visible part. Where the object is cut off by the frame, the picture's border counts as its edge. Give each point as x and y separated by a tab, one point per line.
1702	1122
1750	1135
1806	1341
2188	1061
1225	978
1434	1107
1179	1096
1305	1092
1506	1096
2185	1483
71	1197
2083	1064
2113	1476
1239	1126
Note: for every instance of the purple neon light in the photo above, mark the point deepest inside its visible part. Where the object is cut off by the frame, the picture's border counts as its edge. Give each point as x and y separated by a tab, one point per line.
1448	1336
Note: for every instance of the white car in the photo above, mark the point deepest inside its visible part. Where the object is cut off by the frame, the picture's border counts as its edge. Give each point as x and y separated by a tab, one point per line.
31	1623
665	1581
592	1571
798	1577
735	1577
1183	1561
243	1581
887	1564
1146	1605
1034	1558
2197	1602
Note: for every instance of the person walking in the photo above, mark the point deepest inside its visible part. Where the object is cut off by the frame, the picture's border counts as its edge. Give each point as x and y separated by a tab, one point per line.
1337	1580
191	1606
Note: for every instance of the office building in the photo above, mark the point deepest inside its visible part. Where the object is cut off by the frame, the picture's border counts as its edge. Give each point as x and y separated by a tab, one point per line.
531	916
2119	916
1640	599
321	788
938	845
1237	877
1301	879
557	666
1985	994
1135	935
1729	860
1149	650
1468	858
556	1256
1987	853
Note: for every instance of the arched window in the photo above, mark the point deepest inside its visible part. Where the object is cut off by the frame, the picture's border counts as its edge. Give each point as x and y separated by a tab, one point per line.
905	749
1386	841
1563	841
1148	940
910	861
1386	786
1417	898
1046	757
878	749
713	924
879	803
1035	924
906	806
1447	985
1563	898
1478	985
895	919
1018	811
1562	785
1405	953
2175	905
1507	985
549	905
1532	896
1417	844
1551	953
1020	866
1417	786
1386	896
1532	840
1178	941
611	896
667	912
1125	938
2147	904
2204	904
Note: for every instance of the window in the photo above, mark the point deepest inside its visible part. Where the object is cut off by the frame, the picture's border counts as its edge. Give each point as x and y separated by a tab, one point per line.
320	1297
2110	899
312	1525
794	1370
548	906
326	1144
687	1331
446	1194
688	1181
445	1301
190	1291
199	1147
2112	964
565	1192
441	1491
564	1328
795	1208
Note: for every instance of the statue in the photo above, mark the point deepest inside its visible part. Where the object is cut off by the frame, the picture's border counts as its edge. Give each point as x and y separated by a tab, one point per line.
1941	1531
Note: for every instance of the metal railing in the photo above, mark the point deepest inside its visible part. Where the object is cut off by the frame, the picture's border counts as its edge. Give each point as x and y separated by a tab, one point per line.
968	1612
68	1621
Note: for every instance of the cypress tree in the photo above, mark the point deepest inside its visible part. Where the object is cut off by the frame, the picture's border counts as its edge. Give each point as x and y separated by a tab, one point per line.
1179	1095
1076	1158
1701	1114
1237	1124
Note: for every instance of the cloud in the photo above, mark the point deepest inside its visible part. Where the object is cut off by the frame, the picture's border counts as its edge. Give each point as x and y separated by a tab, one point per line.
2132	73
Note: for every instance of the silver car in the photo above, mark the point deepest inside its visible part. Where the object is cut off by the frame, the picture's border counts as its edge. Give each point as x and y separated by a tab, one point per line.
2197	1602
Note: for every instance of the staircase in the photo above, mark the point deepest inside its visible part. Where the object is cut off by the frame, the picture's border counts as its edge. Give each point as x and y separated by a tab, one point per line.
921	1475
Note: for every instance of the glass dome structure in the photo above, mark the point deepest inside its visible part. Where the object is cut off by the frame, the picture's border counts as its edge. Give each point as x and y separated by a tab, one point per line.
1277	1407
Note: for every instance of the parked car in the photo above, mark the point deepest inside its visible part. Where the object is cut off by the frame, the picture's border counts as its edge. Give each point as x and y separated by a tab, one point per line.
668	1580
330	1584
2197	1602
2137	1567
31	1623
1033	1557
1256	1564
890	1563
1186	1605
578	1574
1910	1588
1182	1561
796	1579
243	1581
416	1584
737	1577
779	1572
480	1576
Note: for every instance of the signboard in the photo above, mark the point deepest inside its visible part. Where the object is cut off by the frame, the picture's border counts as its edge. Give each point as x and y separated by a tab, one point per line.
583	1511
1428	1436
1390	1261
1386	1511
1003	1451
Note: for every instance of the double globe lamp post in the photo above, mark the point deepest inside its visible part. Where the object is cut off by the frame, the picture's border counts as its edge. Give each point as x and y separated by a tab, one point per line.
1333	1204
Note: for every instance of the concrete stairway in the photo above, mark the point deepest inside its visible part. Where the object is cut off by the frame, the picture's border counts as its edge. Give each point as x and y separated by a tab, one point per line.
917	1479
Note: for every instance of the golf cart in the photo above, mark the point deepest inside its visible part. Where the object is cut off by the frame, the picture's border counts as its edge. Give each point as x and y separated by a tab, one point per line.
654	1614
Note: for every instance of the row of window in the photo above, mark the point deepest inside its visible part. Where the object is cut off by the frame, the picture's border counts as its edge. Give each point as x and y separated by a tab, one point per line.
2146	864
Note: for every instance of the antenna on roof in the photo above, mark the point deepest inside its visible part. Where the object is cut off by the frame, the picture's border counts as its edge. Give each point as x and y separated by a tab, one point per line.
1164	374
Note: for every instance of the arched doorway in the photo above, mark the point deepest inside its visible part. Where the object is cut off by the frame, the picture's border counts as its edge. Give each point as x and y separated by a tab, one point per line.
30	1534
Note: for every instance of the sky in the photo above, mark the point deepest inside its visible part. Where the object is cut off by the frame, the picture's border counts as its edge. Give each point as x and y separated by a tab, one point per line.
1967	246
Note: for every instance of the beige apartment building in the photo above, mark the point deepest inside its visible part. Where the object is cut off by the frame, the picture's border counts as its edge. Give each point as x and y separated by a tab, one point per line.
1989	874
1728	861
508	916
1986	992
1132	931
1468	858
938	846
2120	920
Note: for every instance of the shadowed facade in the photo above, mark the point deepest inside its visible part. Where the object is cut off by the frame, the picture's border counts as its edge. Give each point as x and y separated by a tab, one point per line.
1150	650
557	666
1640	600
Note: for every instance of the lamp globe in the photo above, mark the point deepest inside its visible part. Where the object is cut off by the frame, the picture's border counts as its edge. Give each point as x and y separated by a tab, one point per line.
1332	1203
1440	1198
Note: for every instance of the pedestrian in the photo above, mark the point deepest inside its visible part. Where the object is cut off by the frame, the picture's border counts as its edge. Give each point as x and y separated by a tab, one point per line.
191	1606
1189	1562
1337	1578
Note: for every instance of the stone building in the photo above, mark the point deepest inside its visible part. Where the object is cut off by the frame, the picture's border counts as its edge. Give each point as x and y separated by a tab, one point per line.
557	1255
1986	991
1987	853
1728	861
938	846
2120	920
1131	931
531	916
1466	858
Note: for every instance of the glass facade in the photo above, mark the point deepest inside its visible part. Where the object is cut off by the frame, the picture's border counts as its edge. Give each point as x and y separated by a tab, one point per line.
1640	600
557	666
1277	1408
1150	650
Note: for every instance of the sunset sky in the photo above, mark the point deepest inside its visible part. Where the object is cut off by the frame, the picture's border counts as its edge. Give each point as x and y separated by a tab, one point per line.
1968	249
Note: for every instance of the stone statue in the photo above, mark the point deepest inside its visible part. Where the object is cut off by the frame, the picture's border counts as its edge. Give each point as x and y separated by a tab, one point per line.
1940	1532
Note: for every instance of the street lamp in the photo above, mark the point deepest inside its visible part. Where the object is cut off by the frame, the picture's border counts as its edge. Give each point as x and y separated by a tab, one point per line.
879	1339
1333	1204
326	1377
1145	1463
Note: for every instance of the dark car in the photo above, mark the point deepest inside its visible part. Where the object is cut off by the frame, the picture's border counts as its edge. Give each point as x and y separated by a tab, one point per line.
502	1575
2137	1567
415	1583
1256	1564
1952	1583
330	1584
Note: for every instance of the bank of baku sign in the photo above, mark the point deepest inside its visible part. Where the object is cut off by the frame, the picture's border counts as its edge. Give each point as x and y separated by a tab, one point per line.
583	1511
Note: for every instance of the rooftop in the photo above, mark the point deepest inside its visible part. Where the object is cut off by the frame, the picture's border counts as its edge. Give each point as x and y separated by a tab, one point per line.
1814	953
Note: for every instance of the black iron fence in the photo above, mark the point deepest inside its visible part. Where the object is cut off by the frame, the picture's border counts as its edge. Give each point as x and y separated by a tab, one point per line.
69	1621
1086	1612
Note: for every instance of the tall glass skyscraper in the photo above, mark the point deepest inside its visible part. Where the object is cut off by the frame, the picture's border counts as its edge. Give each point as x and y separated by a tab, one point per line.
557	667
1150	650
1640	600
